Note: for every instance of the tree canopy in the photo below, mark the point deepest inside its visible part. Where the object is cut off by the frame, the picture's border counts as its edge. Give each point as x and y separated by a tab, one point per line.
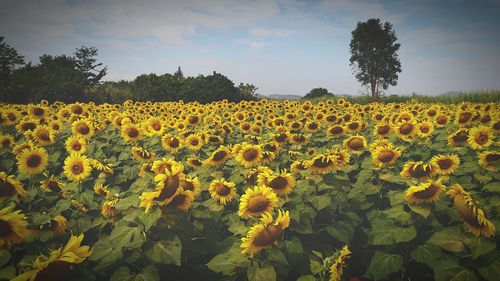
374	55
318	92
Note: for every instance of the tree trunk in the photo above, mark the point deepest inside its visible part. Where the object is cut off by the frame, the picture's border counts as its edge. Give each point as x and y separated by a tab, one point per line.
374	94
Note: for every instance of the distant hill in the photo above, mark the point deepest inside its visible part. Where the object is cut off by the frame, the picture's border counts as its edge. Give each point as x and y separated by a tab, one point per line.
282	97
450	94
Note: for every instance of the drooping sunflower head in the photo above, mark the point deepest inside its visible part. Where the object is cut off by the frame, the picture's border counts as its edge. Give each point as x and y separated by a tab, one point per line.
339	263
141	154
191	184
52	184
426	192
13	227
57	225
489	160
480	137
256	201
222	190
76	144
253	176
6	141
10	187
473	216
194	162
33	160
355	143
298	166
108	209
249	154
445	164
264	234
417	170
107	169
77	167
321	164
182	200
385	156
219	156
171	143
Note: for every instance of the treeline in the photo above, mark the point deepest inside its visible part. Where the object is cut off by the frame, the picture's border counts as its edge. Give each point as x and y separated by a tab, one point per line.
78	78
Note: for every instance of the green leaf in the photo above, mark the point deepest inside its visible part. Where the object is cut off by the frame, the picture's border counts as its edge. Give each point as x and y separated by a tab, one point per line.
7	273
420	209
122	274
393	178
149	273
483	179
398	213
277	256
330	179
306	278
426	253
480	246
396	197
448	268
383	264
4	257
228	262
149	219
315	265
266	273
127	202
450	239
341	230
321	202
491	271
492	187
166	252
61	206
386	233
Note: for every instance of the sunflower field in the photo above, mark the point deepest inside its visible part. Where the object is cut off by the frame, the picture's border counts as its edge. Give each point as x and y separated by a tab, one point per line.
259	190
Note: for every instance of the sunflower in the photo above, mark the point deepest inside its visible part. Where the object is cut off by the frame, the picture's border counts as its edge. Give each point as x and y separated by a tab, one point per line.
6	141
222	190
378	143
489	160
355	143
76	144
52	185
33	160
26	125
445	164
473	216
59	263
182	199
82	128
77	167
57	225
248	155
219	156
337	268
281	183
385	156
194	141
194	162
99	166
459	138
382	130
13	227
280	137
425	129
108	210
256	201
38	112
43	136
405	129
297	166
10	187
253	175
147	199
299	139
171	143
141	154
18	149
191	184
427	192
131	132
321	164
264	234
336	131
480	137
417	170
154	126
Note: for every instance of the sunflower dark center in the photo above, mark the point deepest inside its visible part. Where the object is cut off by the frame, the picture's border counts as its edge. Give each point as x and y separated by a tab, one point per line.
178	200
34	161
406	129
83	129
431	112
77	110
278	183
299	138
424	129
132	132
257	203
174	142
6	189
156	126
496	126
196	162
28	126
486	119
386	156
337	130
444	163
492	157
38	111
353	126
44	136
313	126
482	138
268	235
460	137
464	117
5	142
322	163
331	118
251	154
441	120
53	186
465	212
76	146
188	186
356	144
383	130
5	228
281	138
426	193
77	169
56	270
170	186
194	142
222	189
418	171
219	155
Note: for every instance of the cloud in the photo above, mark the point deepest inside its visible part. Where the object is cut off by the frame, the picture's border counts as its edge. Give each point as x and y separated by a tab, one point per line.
272	32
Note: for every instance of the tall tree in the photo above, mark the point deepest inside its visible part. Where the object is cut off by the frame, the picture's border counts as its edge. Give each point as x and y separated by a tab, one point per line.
9	59
374	55
317	93
86	62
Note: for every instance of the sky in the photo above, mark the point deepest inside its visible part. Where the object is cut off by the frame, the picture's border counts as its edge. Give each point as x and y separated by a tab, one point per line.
280	46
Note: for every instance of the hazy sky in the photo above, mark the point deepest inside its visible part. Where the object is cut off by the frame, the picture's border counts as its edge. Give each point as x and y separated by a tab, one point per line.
281	46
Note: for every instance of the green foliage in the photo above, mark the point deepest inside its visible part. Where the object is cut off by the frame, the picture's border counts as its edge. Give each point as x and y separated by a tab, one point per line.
318	93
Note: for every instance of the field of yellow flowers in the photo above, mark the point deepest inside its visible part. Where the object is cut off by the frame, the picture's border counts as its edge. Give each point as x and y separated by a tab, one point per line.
260	190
